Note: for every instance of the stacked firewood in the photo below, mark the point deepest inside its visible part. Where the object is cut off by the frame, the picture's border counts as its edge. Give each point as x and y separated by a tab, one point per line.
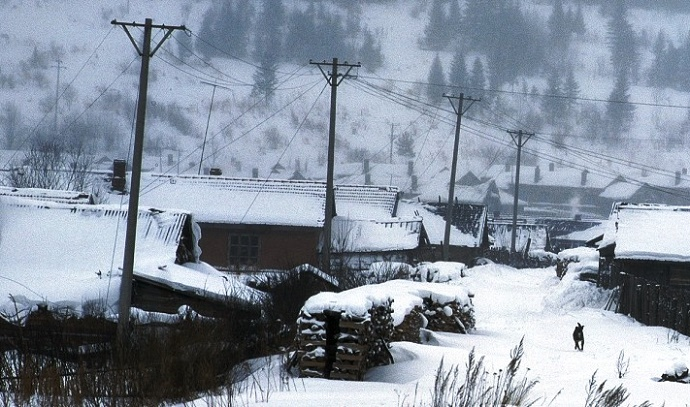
381	332
408	329
359	343
311	344
353	346
448	317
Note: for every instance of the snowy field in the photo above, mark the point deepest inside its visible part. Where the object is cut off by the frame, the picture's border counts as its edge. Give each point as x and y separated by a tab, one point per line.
510	305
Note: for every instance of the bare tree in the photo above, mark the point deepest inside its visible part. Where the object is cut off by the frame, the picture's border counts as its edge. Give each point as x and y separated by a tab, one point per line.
52	163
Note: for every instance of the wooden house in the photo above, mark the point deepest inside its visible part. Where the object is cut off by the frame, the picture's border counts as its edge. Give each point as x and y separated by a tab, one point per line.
469	234
67	255
530	234
649	241
258	224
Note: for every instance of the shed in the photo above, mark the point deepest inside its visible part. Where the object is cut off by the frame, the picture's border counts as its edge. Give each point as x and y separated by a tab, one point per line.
649	241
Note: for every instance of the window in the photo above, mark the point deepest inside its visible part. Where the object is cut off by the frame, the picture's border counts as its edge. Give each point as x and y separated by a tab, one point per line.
243	251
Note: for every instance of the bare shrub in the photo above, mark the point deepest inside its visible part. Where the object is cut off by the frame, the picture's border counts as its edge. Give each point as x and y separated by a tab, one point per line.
622	365
480	388
600	396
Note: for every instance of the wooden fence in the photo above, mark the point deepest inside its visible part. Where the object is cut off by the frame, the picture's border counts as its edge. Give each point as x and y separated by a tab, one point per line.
653	304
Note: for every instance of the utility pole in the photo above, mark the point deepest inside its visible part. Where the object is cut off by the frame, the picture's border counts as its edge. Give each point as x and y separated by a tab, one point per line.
454	166
519	142
133	211
208	120
390	157
57	94
334	79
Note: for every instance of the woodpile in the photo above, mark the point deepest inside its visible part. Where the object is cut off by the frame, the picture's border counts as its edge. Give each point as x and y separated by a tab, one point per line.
448	317
338	345
408	330
341	335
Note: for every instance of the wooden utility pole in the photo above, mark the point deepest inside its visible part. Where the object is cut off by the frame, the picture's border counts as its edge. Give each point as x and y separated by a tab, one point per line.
57	94
390	156
133	211
519	142
334	79
454	166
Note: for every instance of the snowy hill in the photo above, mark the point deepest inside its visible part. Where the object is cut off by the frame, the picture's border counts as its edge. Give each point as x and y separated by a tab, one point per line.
75	44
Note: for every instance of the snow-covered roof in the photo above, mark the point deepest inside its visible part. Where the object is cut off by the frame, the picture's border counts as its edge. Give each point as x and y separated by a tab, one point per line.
47	246
620	190
435	226
558	177
47	194
375	236
215	199
65	254
649	232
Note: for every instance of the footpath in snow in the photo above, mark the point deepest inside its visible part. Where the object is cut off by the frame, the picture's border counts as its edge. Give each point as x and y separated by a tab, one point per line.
510	305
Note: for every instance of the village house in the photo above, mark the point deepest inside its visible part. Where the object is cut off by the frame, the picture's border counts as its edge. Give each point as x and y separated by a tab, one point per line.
60	251
646	240
267	224
469	234
556	191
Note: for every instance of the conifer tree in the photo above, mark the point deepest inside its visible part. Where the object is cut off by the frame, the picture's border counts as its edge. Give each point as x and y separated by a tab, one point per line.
477	81
436	81
458	75
620	112
622	43
436	33
370	54
559	29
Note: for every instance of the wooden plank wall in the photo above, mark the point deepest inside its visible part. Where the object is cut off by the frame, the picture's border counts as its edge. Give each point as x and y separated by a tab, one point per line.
654	304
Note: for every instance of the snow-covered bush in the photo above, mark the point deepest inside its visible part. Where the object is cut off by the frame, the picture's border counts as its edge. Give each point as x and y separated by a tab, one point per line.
438	272
382	271
582	261
677	372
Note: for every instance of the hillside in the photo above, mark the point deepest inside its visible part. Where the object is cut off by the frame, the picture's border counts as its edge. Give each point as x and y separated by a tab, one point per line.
75	44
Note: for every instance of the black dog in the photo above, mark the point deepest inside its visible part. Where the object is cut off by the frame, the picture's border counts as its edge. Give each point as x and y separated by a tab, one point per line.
579	337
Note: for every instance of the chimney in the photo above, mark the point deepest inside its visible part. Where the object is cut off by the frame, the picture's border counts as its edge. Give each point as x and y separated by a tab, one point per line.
119	175
415	184
537	174
685	171
367	178
677	178
583	179
552	167
366	167
410	168
255	173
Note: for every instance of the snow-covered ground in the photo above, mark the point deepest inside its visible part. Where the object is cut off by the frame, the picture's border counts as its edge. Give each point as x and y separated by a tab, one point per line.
510	304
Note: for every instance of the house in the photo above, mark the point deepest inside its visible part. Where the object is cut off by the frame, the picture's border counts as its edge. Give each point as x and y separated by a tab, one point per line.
556	191
570	233
260	224
530	235
469	235
649	241
660	188
69	256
